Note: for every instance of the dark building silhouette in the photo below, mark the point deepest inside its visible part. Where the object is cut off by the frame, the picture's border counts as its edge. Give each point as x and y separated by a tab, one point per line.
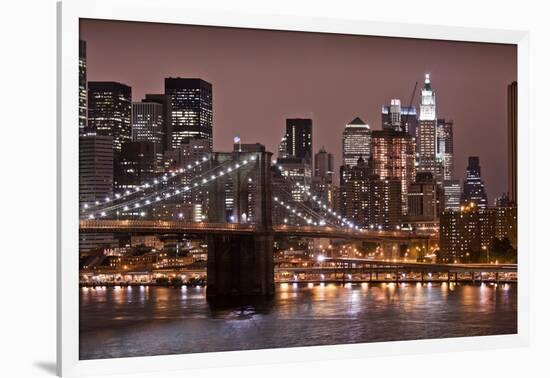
299	140
445	150
474	188
191	109
422	198
82	88
109	110
513	141
138	164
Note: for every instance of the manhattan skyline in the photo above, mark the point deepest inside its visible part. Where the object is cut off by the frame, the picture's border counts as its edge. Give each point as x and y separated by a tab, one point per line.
260	78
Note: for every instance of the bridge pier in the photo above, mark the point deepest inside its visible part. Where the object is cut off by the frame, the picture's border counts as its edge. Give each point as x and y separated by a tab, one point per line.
241	264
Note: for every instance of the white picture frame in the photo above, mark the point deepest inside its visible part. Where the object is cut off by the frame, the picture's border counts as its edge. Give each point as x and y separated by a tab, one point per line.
69	13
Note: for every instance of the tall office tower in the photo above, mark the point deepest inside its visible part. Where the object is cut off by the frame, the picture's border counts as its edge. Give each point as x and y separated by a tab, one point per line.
192	115
138	164
82	88
426	133
356	142
163	100
322	184
513	141
452	193
95	184
399	118
299	140
422	198
465	235
474	188
109	110
444	155
148	126
393	158
368	201
95	168
324	165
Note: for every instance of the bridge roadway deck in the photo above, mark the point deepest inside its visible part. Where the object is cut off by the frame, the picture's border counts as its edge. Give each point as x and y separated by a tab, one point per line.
156	226
358	265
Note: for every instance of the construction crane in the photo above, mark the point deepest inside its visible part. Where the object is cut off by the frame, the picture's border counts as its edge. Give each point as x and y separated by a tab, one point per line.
410	104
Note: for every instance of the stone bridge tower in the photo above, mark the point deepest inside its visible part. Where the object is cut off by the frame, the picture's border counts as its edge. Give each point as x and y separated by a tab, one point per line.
241	264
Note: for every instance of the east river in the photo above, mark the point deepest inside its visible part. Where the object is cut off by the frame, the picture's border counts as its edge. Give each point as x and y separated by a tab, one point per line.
148	321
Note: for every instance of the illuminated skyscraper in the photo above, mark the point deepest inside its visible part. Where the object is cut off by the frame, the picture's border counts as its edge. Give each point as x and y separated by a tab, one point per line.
399	118
452	193
163	100
191	107
356	142
474	188
393	158
444	156
82	88
109	109
426	133
148	126
299	139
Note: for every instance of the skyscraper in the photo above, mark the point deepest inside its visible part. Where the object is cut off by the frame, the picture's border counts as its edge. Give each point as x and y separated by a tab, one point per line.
191	103
95	169
164	100
82	88
148	126
356	142
444	156
138	164
393	158
513	142
324	164
109	109
426	133
474	188
299	139
399	118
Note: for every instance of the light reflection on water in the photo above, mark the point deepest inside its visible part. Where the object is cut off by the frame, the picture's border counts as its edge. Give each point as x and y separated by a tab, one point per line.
141	321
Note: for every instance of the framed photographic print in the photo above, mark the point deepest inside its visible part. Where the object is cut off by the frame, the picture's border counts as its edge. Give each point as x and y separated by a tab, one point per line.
283	188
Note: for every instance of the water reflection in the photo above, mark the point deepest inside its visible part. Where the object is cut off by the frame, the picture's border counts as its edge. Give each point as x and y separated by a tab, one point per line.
140	321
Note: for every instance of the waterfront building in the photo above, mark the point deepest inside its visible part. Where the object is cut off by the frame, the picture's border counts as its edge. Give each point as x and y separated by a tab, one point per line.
191	109
465	235
299	139
109	110
393	157
399	118
474	188
82	88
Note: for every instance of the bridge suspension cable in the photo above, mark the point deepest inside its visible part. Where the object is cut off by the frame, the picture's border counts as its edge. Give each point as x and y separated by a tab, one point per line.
162	179
156	197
